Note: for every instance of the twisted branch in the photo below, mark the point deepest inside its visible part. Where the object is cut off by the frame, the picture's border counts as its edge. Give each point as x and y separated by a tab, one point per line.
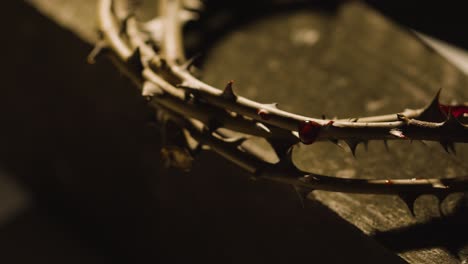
151	54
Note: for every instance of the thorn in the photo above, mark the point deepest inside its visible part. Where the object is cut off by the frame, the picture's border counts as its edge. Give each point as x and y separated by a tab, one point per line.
228	92
397	133
409	199
337	143
190	62
324	117
272	105
448	146
441	196
262	127
432	112
352	145
135	60
97	50
150	89
452	122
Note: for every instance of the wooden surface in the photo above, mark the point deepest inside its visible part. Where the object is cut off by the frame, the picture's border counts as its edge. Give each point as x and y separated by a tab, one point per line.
345	63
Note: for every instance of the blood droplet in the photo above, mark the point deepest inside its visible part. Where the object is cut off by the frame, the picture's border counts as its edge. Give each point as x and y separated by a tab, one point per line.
455	110
389	182
309	131
264	114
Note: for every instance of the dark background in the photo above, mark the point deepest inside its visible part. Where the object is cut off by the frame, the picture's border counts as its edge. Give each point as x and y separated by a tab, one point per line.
78	140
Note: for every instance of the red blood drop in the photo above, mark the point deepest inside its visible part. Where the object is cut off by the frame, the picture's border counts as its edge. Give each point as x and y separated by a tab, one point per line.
309	131
456	110
389	182
263	114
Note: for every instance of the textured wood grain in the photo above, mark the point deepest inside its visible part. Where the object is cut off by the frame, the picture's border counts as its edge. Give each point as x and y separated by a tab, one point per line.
352	62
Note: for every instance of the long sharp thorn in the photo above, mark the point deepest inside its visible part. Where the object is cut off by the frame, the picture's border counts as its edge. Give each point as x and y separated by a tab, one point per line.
445	146
448	146
262	127
228	92
190	62
441	196
352	146
432	112
97	50
409	200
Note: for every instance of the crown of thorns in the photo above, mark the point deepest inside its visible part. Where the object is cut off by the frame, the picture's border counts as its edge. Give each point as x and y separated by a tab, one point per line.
151	54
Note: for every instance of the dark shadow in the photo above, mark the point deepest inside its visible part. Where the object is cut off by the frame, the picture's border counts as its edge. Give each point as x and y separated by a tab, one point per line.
442	21
448	232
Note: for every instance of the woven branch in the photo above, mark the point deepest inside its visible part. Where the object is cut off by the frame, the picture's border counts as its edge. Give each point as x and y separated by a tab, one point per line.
151	55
